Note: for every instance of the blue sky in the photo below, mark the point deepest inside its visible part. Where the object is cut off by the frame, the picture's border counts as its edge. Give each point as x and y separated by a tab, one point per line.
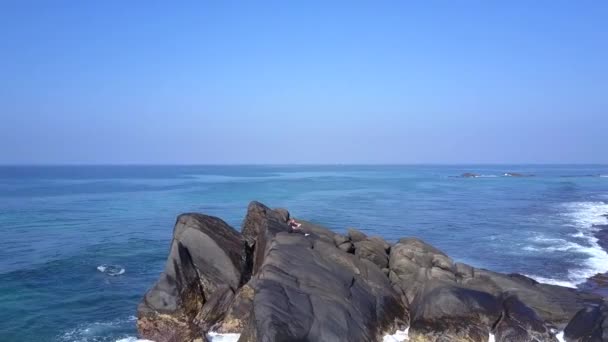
303	82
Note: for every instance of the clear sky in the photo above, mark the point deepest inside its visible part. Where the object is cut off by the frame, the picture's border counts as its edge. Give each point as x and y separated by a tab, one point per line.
303	82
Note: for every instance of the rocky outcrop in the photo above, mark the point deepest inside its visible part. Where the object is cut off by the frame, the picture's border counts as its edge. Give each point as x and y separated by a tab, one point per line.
589	325
273	283
205	266
308	290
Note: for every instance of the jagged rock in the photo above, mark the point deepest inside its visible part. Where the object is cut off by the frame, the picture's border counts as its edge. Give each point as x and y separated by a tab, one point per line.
355	235
588	325
260	226
206	255
215	307
308	290
373	250
451	313
237	315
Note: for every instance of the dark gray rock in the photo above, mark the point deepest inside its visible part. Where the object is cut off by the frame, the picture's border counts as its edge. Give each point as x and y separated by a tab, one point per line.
206	254
414	264
283	214
588	325
260	226
469	175
372	250
520	323
451	313
215	307
309	290
355	235
237	315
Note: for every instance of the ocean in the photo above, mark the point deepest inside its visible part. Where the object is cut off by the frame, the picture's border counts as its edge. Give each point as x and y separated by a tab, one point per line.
80	245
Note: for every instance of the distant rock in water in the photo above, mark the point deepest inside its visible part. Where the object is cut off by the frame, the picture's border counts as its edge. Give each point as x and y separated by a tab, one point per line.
469	175
274	283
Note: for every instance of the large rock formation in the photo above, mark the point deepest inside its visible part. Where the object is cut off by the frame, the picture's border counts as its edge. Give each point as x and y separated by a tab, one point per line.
205	266
273	283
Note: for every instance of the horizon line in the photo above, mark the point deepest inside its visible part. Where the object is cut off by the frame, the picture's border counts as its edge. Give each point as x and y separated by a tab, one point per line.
300	164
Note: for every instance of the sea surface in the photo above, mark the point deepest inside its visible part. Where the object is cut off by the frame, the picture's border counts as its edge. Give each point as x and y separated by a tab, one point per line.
79	245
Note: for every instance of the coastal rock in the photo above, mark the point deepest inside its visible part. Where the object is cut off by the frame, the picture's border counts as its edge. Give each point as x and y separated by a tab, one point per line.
348	247
521	323
260	226
381	241
275	283
469	175
372	250
237	315
309	290
414	264
339	239
206	256
588	325
451	313
355	235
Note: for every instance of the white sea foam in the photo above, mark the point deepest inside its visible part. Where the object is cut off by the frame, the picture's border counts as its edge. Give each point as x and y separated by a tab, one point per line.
95	331
132	339
491	338
550	281
399	336
215	337
111	270
584	217
560	337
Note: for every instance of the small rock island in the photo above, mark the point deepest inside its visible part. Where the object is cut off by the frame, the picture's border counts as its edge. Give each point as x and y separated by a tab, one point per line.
270	282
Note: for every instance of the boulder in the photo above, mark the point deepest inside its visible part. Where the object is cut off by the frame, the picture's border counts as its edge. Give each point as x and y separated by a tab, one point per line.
381	241
355	235
206	256
414	264
452	313
347	247
372	250
309	290
588	325
520	323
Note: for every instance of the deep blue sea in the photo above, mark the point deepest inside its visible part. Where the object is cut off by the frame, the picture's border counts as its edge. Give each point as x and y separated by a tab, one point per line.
79	245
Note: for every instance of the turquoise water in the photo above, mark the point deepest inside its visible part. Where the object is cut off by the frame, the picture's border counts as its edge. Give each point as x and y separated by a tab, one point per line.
80	245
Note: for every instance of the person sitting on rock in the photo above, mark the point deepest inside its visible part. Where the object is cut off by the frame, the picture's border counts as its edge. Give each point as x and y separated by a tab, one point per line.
293	224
